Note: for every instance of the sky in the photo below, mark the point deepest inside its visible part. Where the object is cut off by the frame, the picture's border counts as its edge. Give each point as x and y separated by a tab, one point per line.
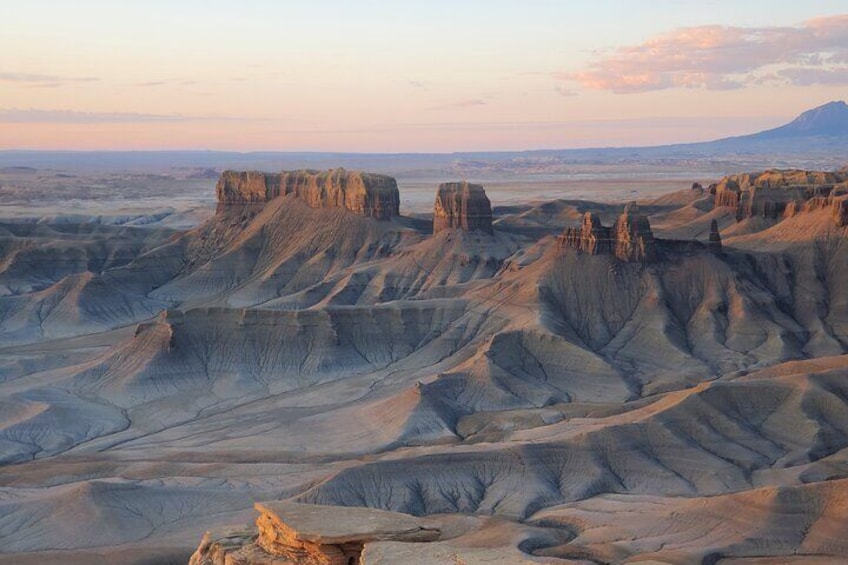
398	76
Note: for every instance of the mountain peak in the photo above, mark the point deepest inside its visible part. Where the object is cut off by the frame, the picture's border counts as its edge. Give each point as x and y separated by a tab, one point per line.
830	119
825	116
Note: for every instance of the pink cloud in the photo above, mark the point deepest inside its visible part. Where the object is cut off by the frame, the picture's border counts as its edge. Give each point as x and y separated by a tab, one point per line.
723	57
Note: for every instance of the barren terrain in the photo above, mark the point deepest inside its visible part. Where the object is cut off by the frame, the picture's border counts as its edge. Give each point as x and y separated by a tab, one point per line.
164	364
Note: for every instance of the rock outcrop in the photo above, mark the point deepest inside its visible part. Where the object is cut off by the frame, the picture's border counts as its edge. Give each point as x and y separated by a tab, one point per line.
634	240
591	237
308	534
461	205
366	194
770	194
629	239
714	243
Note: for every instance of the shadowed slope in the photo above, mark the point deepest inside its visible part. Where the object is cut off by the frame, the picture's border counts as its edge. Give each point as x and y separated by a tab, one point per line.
802	524
705	441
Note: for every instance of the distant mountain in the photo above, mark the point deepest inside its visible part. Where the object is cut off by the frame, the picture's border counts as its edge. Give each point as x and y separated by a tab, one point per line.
829	120
816	139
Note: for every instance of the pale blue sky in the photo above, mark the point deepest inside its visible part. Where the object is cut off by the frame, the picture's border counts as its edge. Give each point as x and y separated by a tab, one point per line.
380	75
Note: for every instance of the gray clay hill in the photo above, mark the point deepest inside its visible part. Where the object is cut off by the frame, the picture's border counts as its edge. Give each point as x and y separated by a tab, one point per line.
663	381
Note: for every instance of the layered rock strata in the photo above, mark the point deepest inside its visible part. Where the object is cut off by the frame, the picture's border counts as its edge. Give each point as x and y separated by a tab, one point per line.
634	240
770	194
366	194
629	239
461	205
836	202
591	237
308	534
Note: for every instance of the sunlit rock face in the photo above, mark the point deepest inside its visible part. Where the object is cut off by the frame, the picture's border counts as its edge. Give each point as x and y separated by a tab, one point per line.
365	194
461	205
289	533
629	239
634	240
771	194
591	237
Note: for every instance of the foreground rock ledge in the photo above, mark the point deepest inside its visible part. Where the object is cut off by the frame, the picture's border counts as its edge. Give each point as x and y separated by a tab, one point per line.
289	533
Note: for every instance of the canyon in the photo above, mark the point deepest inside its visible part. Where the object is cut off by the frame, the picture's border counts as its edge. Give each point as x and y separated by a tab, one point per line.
312	377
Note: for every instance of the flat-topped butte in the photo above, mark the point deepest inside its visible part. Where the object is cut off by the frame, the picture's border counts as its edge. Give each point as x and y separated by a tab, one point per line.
365	194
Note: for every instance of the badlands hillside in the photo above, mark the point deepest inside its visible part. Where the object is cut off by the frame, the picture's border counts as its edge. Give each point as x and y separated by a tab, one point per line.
565	382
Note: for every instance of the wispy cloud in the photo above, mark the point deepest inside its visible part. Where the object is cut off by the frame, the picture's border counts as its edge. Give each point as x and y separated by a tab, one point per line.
470	103
724	57
45	85
807	76
36	116
44	80
154	83
467	103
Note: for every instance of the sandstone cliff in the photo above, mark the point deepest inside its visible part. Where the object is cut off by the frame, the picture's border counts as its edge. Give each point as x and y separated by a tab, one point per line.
366	194
591	237
634	240
771	194
463	206
630	239
307	534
